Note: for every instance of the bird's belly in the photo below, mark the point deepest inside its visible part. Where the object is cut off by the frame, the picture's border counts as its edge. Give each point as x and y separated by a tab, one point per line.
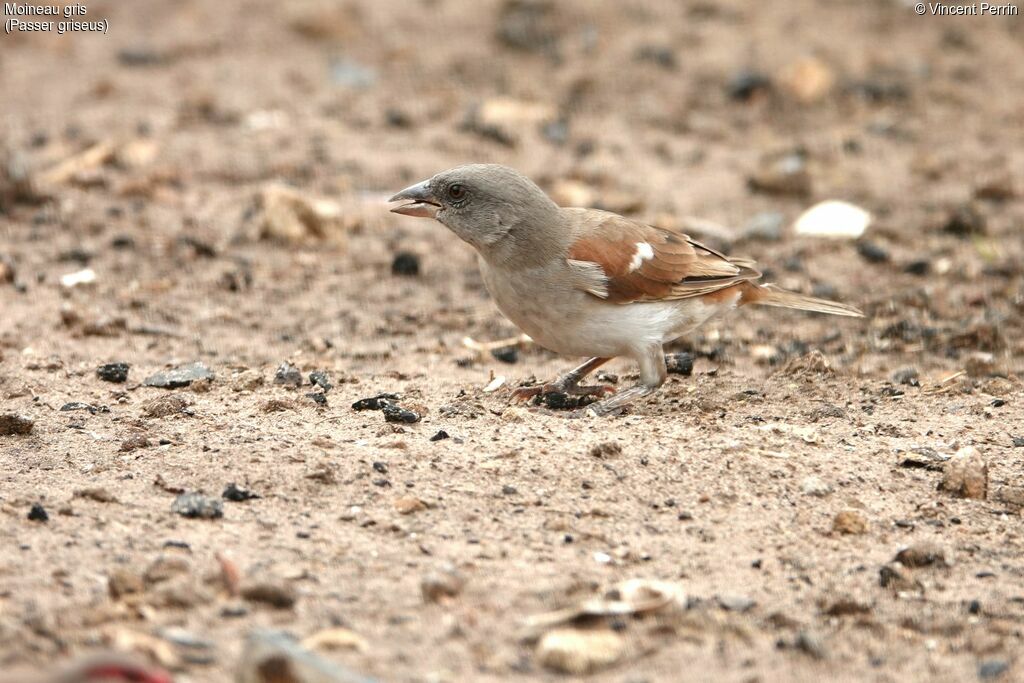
574	323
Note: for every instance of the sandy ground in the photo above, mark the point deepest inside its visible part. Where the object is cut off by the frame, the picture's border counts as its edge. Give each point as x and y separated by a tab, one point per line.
727	482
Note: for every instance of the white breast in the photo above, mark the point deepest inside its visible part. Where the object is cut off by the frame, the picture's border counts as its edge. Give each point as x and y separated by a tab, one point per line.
571	322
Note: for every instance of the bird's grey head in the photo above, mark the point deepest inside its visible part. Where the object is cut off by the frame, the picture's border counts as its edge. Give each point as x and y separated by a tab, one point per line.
494	208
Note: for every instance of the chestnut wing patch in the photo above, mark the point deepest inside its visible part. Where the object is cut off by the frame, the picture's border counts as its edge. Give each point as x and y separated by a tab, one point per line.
643	263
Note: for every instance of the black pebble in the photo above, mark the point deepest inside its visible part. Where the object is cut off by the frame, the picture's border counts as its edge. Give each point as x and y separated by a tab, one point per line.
745	84
872	253
440	436
321	379
113	372
318	398
393	413
381	467
375	403
38	513
921	267
507	354
679	364
237	494
405	263
1018	442
509	490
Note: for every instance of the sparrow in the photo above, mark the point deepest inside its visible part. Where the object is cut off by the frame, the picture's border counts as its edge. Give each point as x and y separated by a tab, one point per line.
584	282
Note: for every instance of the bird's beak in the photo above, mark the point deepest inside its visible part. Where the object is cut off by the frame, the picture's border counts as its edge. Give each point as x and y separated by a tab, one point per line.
424	204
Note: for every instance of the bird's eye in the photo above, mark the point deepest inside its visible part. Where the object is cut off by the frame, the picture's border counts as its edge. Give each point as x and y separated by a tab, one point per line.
456	192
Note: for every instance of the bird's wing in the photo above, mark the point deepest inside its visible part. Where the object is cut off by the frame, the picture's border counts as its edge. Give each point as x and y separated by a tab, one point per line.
623	261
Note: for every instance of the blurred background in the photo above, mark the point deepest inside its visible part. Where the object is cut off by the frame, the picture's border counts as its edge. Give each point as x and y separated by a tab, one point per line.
208	181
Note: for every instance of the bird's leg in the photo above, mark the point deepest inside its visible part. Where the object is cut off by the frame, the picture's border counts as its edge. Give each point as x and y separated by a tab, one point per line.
652	375
569	383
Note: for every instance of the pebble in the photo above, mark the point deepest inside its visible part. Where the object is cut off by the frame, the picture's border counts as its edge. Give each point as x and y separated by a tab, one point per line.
197	506
11	424
919	267
77	405
394	413
606	449
506	354
320	378
135	442
38	513
288	375
113	372
872	253
123	582
896	577
180	376
815	486
579	652
318	397
745	84
964	221
407	505
924	458
237	494
406	264
992	669
849	522
447	582
96	493
165	406
810	644
736	603
834	219
375	403
440	436
785	174
765	227
922	555
276	595
679	364
966	475
275	656
86	276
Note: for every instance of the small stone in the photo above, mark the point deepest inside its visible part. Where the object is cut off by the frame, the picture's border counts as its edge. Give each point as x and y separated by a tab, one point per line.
925	458
165	406
406	505
180	376
606	449
815	486
113	372
896	577
922	555
11	424
247	380
393	413
579	652
992	669
918	267
274	594
405	264
736	603
440	436
679	364
78	405
509	490
135	442
318	397
966	474
37	513
835	219
810	644
96	493
276	405
906	376
764	227
844	607
444	583
1018	441
237	494
320	378
166	568
784	174
375	403
808	79
123	582
745	84
1010	495
507	354
288	375
849	522
197	506
964	221
872	253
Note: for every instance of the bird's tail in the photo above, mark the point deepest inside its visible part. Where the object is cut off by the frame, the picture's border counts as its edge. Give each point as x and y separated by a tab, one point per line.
770	295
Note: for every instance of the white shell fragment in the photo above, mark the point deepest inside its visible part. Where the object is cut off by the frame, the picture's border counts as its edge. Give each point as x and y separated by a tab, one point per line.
81	277
495	384
835	219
